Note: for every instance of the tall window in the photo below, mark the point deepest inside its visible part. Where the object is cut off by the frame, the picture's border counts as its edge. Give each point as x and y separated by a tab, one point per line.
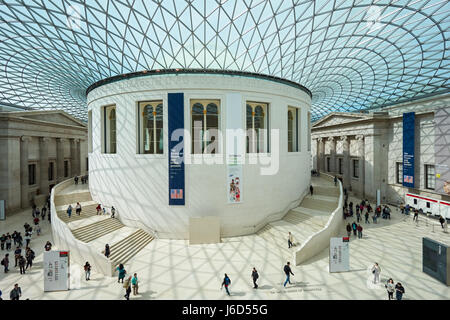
340	161
31	174
87	164
309	131
355	168
90	131
399	172
66	168
151	127
257	124
205	126
293	139
109	129
51	171
328	164
429	177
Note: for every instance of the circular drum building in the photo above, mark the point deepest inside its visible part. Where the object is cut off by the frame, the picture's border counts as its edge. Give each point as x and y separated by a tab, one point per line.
167	146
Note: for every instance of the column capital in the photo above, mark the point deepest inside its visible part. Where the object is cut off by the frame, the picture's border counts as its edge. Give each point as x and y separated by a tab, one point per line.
330	139
61	140
25	139
320	139
359	137
344	138
44	139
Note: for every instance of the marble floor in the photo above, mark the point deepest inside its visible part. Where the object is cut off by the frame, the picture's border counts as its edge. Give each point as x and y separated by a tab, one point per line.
171	269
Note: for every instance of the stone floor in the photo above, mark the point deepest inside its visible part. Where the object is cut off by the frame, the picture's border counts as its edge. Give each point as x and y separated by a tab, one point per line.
171	269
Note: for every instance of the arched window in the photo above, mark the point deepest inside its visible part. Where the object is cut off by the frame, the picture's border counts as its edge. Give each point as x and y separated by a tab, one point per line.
109	129
151	127
205	124
290	131
257	124
293	139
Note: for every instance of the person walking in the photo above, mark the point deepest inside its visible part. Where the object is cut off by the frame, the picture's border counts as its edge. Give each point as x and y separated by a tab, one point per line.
358	215
399	291
127	286
226	282
376	270
390	287
107	251
48	246
335	181
69	210
43	212
19	239
15	293
87	271
113	212
8	241
442	221
349	229
416	216
288	272
135	284
27	239
360	229
5	263
122	272
2	241
311	189
29	255
22	263
76	180
255	277
38	230
366	215
17	255
99	209
354	227
78	209
290	240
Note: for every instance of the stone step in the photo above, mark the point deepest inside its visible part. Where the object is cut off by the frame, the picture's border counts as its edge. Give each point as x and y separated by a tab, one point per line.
97	229
72	198
124	250
321	205
87	211
330	191
297	218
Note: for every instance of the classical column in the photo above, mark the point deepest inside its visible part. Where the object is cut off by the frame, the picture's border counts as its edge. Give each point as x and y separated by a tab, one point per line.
346	164
75	156
60	159
24	187
43	165
360	139
321	154
332	154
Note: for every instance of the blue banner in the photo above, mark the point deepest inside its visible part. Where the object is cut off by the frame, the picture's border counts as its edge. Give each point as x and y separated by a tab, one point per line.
408	149
176	149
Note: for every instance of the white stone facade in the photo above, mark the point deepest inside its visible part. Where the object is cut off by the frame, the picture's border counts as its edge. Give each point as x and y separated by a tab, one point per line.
137	184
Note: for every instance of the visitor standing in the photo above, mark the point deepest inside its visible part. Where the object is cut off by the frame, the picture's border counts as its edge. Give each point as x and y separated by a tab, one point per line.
99	209
290	240
15	293
78	208
360	229
226	282
107	251
113	212
122	272
416	216
349	229
399	291
38	230
127	286
8	241
87	271
76	179
255	277
17	254
354	227
2	241
29	255
22	263
135	284
288	272
390	287
376	270
48	246
69	210
43	212
311	189
335	181
27	238
442	221
5	262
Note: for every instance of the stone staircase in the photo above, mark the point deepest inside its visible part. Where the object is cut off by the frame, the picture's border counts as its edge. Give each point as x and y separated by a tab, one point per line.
125	249
97	229
86	212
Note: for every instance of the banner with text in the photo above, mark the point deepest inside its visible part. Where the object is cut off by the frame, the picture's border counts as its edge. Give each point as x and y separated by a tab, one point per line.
176	149
408	149
56	271
339	254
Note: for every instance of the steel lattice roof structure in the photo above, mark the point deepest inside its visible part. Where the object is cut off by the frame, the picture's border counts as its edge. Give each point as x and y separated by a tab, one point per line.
352	55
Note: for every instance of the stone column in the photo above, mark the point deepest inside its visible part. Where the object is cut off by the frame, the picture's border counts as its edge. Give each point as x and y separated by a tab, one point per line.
75	156
321	154
332	154
43	165
361	152
24	187
346	165
60	159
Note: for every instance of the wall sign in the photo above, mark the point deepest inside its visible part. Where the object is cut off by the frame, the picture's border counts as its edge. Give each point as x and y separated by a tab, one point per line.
408	149
339	254
56	270
176	149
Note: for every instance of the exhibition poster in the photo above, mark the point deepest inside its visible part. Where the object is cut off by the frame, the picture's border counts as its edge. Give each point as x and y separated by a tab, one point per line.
339	254
56	270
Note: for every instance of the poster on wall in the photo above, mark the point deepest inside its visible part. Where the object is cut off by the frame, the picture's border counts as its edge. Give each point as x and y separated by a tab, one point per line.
408	149
339	255
442	150
234	181
56	270
176	149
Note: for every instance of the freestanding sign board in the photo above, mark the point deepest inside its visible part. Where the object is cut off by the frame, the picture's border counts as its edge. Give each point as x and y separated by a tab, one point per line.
339	254
56	271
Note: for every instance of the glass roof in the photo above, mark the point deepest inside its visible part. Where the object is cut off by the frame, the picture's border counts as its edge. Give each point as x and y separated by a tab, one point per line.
352	55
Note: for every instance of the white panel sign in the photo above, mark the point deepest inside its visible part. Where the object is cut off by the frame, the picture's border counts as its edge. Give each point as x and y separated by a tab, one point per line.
339	254
56	271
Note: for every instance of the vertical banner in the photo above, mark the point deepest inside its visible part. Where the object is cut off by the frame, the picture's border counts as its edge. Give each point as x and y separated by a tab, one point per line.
235	147
339	255
56	270
408	149
176	149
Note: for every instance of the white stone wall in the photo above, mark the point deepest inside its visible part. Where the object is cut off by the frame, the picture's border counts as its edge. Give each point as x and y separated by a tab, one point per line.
137	185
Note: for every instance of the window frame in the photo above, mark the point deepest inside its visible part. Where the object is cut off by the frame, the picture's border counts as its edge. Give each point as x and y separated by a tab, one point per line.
140	126
355	173
66	169
51	165
254	140
32	178
428	175
106	129
399	173
205	102
296	142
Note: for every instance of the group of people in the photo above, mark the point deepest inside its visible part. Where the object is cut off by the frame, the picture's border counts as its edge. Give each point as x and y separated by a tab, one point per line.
390	287
83	179
406	209
364	208
356	228
129	282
